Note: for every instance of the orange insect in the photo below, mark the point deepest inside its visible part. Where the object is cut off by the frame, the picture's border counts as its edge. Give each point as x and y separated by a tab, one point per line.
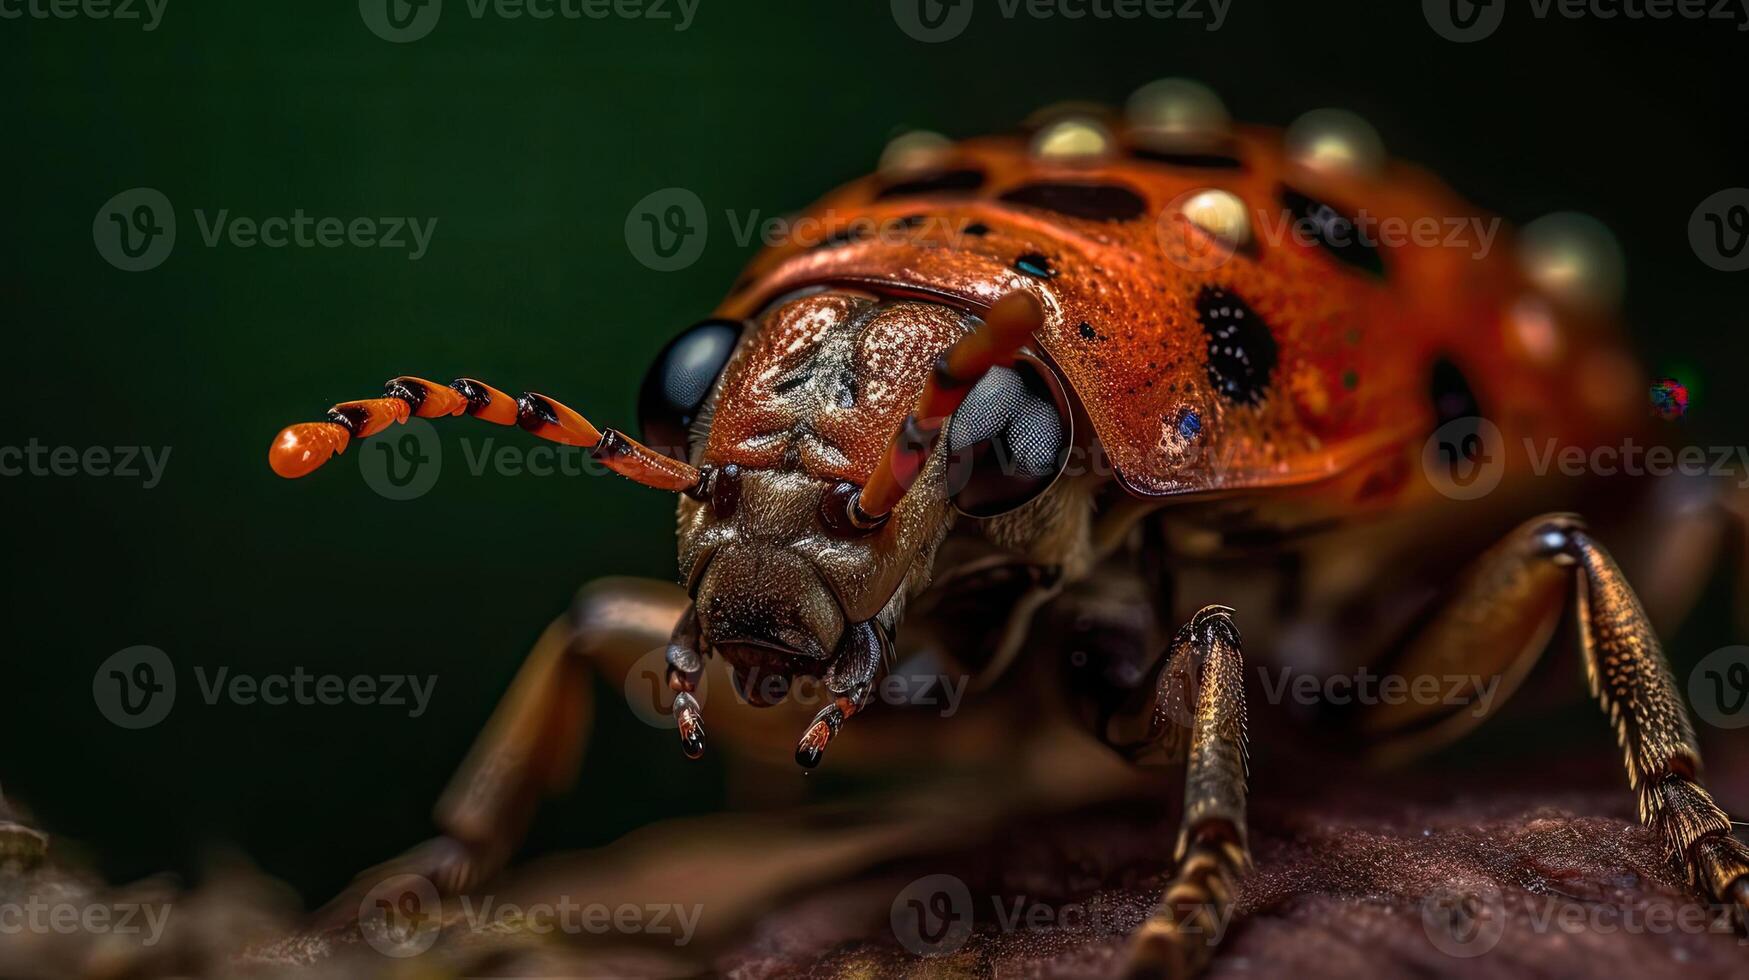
1140	353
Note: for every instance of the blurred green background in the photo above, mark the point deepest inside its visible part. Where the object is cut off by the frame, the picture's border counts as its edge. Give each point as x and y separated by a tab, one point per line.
528	141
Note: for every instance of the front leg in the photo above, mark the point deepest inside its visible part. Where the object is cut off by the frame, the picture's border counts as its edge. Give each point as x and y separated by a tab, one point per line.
1197	712
534	741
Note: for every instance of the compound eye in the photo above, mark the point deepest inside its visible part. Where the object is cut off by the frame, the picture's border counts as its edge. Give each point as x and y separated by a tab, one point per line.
1009	441
679	382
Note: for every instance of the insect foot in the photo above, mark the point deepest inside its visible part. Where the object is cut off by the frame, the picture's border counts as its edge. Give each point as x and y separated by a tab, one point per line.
862	658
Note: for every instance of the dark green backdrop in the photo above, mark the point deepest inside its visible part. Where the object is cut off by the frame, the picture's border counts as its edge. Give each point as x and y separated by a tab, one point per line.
529	141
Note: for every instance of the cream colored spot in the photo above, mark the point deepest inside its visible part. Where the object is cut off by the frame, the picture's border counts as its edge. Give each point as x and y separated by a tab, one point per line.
1177	110
1075	138
1221	214
1574	258
914	152
1335	141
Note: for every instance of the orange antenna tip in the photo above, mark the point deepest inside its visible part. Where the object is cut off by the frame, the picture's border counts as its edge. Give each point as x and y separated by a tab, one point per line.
302	448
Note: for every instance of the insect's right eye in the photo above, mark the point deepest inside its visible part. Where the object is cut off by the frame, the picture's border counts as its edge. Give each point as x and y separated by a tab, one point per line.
1009	440
679	382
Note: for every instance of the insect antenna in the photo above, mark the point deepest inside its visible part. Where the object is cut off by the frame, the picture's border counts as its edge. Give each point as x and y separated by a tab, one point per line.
302	448
1007	327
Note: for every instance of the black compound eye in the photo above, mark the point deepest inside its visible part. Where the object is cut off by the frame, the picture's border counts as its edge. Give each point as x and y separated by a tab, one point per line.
680	381
1009	440
1242	351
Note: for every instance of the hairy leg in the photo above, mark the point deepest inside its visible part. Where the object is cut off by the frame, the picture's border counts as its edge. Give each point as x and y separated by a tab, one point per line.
1198	713
1505	605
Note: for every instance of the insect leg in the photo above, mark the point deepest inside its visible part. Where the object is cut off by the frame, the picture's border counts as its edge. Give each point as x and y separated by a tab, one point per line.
300	449
534	741
1507	603
1632	679
1200	706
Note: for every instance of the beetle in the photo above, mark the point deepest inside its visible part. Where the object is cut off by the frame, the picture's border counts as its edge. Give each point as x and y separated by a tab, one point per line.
1139	355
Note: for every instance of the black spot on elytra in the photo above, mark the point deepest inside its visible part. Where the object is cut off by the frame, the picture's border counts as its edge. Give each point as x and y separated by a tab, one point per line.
1241	349
1191	160
1450	391
1088	201
946	182
842	236
1087	332
1335	232
977	229
1034	264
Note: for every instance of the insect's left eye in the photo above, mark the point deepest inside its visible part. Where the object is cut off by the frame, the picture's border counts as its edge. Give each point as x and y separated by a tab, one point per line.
680	381
1009	440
